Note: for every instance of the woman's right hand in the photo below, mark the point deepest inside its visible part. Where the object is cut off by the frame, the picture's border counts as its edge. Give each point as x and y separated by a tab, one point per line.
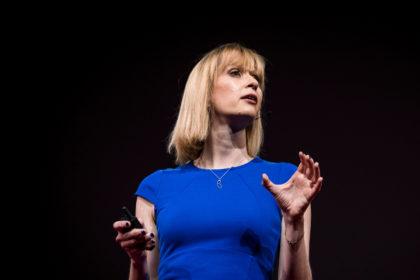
135	241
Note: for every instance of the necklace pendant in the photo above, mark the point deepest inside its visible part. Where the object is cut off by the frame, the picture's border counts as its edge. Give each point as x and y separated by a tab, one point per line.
219	184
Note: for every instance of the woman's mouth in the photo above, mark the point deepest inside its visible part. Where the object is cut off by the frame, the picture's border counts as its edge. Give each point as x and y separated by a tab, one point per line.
252	98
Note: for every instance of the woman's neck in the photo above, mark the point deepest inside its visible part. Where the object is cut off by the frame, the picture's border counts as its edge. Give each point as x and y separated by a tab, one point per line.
223	149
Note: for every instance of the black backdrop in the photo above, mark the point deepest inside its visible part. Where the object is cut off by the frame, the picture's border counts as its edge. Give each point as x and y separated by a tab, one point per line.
344	90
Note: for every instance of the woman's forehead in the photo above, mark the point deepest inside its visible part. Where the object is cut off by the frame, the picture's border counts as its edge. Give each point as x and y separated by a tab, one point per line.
243	61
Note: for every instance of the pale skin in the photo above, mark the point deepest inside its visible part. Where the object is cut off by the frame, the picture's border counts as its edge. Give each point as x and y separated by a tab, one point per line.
226	147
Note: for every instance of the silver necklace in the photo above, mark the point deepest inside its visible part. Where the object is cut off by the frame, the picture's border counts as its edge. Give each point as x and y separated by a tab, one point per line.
219	181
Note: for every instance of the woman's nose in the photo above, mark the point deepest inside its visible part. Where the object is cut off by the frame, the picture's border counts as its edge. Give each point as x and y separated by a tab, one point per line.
252	82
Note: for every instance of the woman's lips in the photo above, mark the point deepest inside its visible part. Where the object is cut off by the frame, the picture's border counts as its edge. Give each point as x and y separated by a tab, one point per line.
250	100
251	97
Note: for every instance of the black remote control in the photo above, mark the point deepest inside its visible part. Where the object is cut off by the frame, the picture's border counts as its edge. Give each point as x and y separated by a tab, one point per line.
130	217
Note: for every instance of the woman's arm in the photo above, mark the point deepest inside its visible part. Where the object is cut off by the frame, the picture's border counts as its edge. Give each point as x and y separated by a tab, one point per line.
147	266
294	198
294	256
140	244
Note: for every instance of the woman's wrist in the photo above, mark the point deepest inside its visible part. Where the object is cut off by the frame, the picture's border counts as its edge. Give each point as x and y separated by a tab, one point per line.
138	269
140	261
293	230
294	221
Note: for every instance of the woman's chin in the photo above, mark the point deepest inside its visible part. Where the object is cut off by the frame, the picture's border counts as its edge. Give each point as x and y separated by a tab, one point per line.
241	121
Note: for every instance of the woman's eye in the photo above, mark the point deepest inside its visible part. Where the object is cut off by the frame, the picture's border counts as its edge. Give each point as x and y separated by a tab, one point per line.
235	73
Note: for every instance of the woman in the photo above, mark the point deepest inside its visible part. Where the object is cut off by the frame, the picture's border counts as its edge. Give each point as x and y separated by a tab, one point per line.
218	215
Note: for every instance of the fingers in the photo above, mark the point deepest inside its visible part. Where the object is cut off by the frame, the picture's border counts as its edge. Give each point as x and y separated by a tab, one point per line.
316	187
312	172
317	173
309	168
266	182
137	239
121	225
306	165
270	186
301	167
134	239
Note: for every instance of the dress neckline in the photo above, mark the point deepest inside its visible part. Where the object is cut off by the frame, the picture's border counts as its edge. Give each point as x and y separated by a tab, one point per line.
222	169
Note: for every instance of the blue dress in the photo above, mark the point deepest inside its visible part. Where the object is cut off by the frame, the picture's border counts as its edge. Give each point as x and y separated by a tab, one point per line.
207	232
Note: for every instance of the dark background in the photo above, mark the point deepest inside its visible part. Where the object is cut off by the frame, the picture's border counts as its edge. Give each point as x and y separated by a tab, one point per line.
343	89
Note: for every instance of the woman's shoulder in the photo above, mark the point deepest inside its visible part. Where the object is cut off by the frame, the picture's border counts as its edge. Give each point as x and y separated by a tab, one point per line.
169	171
281	169
278	164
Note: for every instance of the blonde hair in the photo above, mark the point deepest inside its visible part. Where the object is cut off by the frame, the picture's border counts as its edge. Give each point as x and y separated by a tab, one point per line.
192	127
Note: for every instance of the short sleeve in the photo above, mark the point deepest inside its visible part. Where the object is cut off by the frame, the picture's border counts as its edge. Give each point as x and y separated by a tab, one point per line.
286	172
149	187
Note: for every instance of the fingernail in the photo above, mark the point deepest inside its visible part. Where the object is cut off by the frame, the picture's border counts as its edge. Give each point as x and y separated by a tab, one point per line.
143	232
126	224
152	235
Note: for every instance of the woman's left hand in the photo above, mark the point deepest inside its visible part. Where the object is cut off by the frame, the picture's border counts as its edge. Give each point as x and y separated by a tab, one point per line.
295	195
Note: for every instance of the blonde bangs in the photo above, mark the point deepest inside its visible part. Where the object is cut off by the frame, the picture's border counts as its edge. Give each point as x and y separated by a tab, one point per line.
243	59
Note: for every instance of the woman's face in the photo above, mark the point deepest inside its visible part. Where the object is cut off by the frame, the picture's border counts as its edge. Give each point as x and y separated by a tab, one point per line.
236	96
